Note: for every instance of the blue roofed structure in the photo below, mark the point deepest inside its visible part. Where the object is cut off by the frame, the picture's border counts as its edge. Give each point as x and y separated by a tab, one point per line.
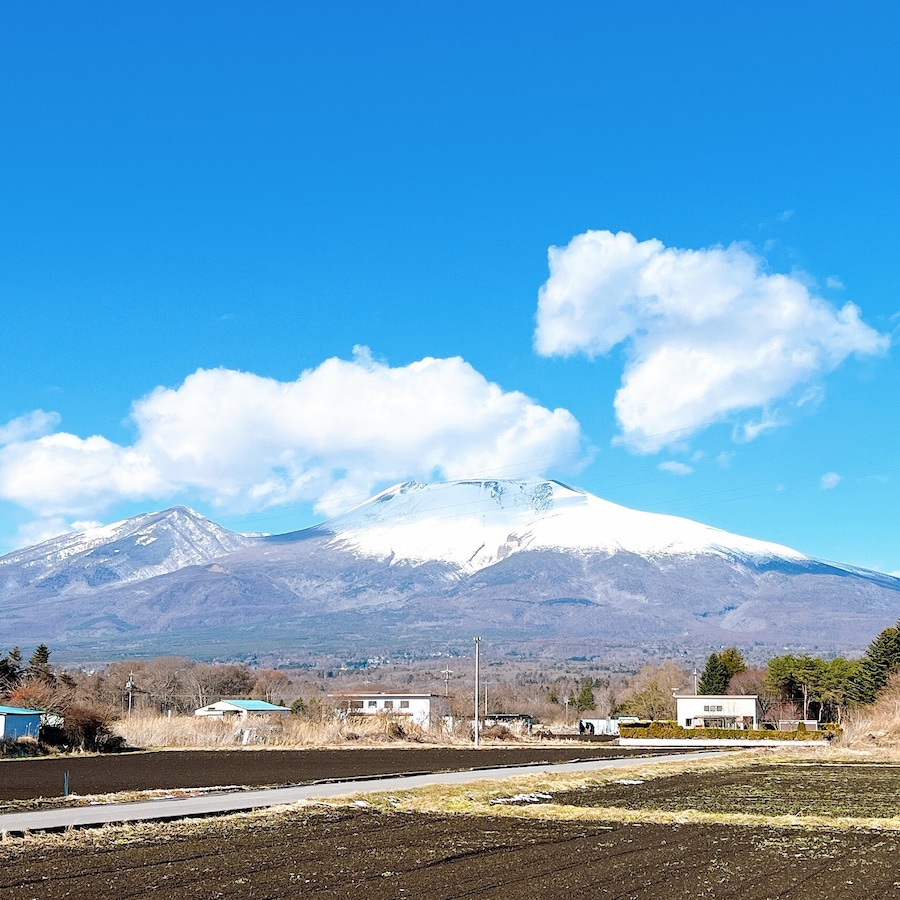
16	722
242	708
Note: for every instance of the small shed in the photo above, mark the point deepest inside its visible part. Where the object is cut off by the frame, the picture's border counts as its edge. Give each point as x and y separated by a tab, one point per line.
242	708
718	711
16	722
423	709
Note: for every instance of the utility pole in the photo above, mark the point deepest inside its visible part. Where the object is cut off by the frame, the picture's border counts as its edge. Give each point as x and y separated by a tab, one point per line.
447	673
695	673
129	686
477	685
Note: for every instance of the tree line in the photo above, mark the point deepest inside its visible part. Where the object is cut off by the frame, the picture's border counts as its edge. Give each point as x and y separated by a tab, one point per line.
788	686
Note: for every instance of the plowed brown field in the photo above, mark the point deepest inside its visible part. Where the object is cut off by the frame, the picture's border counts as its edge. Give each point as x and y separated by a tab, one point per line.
24	779
385	856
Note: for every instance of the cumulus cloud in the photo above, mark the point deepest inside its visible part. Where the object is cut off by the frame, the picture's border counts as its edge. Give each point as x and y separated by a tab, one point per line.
244	442
830	480
675	468
40	530
707	333
31	425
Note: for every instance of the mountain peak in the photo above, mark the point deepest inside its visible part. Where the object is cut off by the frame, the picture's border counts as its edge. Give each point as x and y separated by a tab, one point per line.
129	550
475	523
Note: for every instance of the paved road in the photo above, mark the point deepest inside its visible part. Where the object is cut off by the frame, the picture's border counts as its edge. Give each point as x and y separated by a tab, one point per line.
214	804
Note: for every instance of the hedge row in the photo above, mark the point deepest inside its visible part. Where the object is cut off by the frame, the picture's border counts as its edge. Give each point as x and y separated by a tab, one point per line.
657	730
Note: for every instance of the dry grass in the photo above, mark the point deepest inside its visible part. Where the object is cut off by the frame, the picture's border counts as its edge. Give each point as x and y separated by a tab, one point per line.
876	727
155	731
481	798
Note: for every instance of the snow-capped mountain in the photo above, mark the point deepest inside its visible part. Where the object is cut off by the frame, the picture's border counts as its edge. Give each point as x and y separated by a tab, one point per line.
474	524
128	551
535	567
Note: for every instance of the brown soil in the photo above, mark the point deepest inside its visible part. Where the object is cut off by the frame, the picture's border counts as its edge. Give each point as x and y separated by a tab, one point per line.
25	779
857	790
363	853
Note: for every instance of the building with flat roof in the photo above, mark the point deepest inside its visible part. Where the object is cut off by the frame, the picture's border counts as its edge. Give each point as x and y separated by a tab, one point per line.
423	709
718	711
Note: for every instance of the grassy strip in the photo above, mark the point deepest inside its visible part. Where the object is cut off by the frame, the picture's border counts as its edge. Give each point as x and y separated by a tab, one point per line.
479	798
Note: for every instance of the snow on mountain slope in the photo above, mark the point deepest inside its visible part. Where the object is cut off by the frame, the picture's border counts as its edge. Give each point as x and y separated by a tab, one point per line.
133	549
474	524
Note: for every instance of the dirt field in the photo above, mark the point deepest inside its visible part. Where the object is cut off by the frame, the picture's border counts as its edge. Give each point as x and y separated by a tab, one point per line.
25	779
360	853
857	790
388	850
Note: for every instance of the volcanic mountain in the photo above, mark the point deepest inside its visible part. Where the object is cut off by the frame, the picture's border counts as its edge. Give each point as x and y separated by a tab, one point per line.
535	567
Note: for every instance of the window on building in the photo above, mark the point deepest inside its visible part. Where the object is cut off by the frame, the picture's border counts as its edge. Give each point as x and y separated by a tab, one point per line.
356	704
388	704
404	704
373	704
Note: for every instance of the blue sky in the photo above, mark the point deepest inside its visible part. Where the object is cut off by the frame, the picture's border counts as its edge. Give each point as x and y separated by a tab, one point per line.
266	259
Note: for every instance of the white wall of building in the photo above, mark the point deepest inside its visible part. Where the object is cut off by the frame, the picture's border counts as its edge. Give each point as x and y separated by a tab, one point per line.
421	708
734	711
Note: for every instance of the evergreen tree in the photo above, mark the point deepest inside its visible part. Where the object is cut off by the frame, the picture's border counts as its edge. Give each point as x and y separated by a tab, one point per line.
715	676
881	660
798	679
39	665
10	670
733	660
585	699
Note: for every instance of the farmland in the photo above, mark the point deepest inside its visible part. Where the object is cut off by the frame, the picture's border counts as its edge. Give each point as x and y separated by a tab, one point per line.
721	828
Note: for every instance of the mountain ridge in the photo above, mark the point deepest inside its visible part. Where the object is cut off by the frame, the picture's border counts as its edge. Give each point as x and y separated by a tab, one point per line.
537	567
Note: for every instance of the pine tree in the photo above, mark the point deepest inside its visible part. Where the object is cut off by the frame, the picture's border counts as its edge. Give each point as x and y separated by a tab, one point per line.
733	660
585	699
10	670
715	676
39	665
881	660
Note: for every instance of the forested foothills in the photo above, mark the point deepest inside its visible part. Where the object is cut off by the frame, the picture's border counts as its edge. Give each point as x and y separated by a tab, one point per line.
87	703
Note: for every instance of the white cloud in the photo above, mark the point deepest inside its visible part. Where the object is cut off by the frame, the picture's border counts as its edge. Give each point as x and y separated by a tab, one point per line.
708	333
675	468
34	424
750	430
244	442
41	530
830	480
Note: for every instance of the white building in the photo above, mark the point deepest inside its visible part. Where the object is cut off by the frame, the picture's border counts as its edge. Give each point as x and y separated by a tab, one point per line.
242	708
718	711
423	709
16	722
